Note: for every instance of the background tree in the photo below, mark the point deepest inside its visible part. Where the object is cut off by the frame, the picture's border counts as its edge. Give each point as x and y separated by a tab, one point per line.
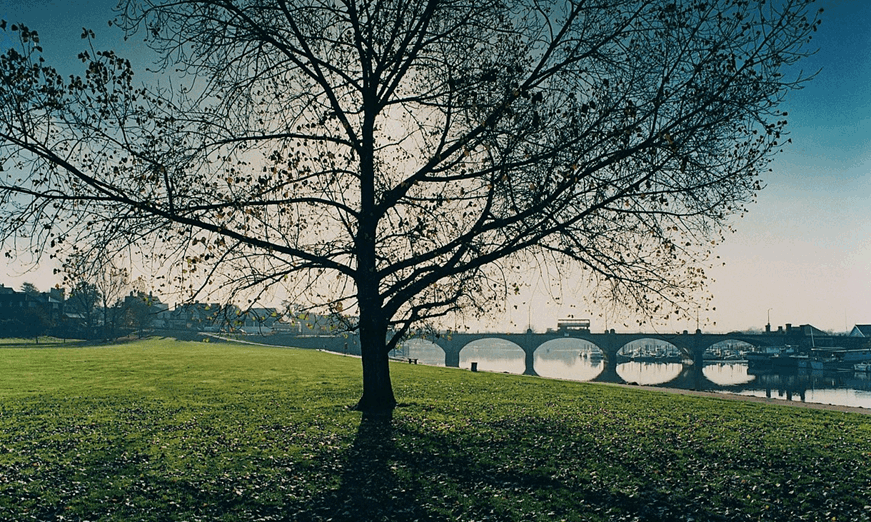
138	312
29	289
111	282
401	161
98	283
34	322
83	300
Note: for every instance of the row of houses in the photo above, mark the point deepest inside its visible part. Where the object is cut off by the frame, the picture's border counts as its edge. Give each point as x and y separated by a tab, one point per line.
35	313
266	320
215	317
201	316
212	316
29	313
17	305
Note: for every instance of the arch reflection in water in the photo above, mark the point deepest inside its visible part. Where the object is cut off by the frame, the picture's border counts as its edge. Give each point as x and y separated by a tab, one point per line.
847	397
494	355
652	361
727	374
426	352
648	373
572	359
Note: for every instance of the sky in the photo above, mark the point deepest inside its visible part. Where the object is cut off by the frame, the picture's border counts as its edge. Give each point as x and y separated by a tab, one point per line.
802	255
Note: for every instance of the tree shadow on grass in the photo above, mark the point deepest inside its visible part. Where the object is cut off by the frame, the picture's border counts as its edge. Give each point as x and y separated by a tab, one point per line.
395	471
369	488
416	467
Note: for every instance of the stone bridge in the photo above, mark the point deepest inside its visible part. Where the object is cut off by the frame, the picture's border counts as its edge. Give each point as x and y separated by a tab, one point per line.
691	346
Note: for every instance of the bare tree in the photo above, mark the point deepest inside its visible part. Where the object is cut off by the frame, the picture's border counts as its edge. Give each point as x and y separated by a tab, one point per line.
399	161
111	283
97	281
83	300
138	312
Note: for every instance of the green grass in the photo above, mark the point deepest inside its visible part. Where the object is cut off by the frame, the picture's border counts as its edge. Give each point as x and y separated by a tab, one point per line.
168	430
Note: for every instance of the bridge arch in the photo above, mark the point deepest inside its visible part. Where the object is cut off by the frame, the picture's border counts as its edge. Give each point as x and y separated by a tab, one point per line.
651	361
724	364
494	354
423	351
690	345
652	347
569	358
727	349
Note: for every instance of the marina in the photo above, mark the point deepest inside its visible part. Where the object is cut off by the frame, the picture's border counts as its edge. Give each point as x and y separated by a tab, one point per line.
830	359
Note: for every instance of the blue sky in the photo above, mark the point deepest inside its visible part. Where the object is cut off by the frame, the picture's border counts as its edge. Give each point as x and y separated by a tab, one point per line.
802	254
804	250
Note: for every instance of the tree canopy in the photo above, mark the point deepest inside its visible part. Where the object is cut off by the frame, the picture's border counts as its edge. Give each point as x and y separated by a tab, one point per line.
29	289
398	161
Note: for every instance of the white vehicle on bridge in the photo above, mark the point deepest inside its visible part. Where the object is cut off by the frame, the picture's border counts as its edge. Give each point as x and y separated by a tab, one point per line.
572	324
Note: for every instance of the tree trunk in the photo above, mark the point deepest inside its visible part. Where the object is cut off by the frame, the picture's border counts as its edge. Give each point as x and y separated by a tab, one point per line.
377	399
377	396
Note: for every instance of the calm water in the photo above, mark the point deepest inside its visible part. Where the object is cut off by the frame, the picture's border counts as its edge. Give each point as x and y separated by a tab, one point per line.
577	360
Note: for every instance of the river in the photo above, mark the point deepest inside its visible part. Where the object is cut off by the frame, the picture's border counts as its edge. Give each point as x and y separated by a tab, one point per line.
578	360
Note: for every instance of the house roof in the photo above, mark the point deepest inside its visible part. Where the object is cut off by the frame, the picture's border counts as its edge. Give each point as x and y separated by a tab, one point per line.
261	312
861	330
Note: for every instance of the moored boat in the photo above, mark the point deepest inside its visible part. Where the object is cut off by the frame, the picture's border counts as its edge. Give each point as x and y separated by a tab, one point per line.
810	363
771	356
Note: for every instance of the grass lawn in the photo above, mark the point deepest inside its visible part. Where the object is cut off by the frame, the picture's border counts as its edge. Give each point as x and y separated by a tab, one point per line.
165	430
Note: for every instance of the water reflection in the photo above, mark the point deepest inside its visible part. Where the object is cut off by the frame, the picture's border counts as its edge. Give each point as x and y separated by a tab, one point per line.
840	397
426	352
494	355
843	396
839	388
572	359
727	374
648	373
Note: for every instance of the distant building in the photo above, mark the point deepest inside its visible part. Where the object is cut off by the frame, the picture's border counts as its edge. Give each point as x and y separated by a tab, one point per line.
309	323
805	329
808	330
265	317
197	316
17	308
861	330
12	303
156	313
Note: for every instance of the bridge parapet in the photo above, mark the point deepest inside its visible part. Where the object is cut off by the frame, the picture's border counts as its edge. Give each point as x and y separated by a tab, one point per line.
693	345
